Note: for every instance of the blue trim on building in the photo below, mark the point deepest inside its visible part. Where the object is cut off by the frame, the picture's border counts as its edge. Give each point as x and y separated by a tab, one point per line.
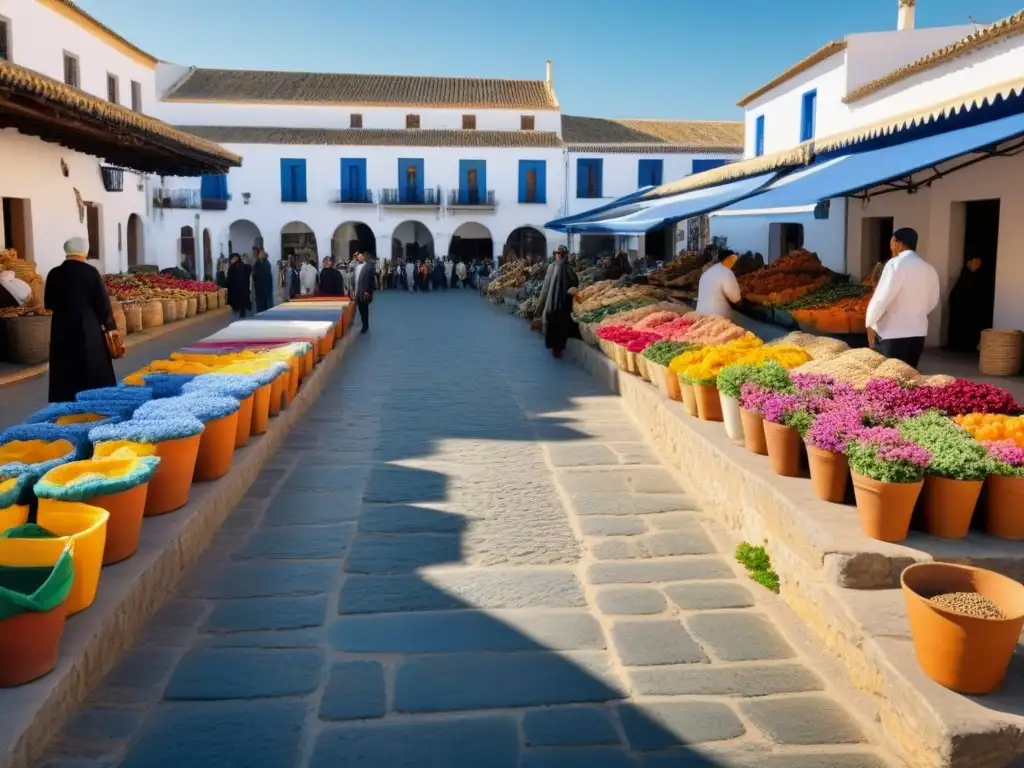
588	177
540	185
293	181
468	194
410	179
808	114
649	173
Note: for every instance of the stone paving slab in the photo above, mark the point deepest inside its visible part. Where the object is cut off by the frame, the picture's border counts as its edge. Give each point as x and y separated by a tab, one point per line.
423	587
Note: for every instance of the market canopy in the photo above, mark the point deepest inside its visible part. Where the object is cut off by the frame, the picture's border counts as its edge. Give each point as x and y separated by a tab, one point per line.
892	166
564	224
37	105
648	214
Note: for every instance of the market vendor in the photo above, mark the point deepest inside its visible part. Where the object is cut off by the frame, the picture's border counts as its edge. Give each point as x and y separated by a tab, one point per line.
718	290
907	292
970	306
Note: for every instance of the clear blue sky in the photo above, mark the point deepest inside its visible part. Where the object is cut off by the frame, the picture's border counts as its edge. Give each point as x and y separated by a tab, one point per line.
612	58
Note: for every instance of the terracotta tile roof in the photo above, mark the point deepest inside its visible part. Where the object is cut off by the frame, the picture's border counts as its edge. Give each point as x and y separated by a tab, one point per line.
993	33
375	137
826	51
362	90
119	123
99	25
600	134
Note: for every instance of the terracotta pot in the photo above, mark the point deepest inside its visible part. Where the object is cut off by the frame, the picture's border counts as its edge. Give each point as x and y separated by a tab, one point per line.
244	427
261	409
709	406
753	432
216	447
672	388
172	482
689	398
949	506
641	366
964	653
731	416
276	393
885	508
30	645
830	474
783	445
1004	507
125	524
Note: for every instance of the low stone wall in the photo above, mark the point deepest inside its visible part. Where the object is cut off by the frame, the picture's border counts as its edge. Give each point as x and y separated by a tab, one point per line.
132	591
841	583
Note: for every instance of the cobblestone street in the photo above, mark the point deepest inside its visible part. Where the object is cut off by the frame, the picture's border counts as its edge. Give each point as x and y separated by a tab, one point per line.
464	557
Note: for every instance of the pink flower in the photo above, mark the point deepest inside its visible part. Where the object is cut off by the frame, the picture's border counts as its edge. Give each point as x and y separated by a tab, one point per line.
832	429
1007	452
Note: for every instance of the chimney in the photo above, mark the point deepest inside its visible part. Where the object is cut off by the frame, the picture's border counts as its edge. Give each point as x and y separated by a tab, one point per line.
548	74
906	15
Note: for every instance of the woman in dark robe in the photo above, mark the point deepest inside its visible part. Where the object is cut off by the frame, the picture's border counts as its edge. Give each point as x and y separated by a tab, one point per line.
562	283
331	281
263	282
970	307
238	285
76	296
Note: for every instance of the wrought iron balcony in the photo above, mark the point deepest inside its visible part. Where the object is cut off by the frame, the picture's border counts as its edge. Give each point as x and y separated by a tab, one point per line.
470	198
353	197
177	198
404	196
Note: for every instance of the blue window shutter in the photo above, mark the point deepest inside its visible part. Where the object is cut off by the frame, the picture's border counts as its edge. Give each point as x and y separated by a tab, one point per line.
346	174
287	193
208	187
300	181
759	136
599	183
524	166
699	165
807	109
582	167
223	186
541	167
649	173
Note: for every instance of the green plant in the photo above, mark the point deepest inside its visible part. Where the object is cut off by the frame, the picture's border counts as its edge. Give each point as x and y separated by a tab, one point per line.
801	420
955	454
881	454
732	378
663	352
772	376
758	564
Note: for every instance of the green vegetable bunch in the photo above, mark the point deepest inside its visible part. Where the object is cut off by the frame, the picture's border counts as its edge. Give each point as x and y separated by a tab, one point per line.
955	454
732	378
599	314
772	376
663	352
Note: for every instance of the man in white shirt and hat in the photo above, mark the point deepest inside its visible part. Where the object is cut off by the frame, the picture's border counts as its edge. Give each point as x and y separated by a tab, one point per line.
718	289
907	292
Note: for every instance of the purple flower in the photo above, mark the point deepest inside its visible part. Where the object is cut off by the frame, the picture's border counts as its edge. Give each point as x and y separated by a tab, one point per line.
752	397
776	406
902	450
1007	452
833	429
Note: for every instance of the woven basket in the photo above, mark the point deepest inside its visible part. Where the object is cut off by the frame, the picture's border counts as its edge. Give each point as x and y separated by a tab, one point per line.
28	339
223	296
181	308
119	317
133	316
1001	352
153	314
213	300
170	307
191	307
641	367
200	303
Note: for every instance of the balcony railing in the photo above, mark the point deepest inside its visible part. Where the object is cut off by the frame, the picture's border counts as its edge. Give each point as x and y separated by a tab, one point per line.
177	198
470	198
410	196
215	203
353	197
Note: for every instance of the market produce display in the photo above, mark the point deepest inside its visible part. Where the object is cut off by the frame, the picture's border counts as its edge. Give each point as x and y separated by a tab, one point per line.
784	280
25	271
144	286
601	294
993	427
511	275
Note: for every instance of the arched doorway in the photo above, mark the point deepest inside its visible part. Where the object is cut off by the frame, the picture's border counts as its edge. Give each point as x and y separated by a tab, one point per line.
187	250
412	240
136	255
350	237
526	242
471	242
298	239
243	236
207	255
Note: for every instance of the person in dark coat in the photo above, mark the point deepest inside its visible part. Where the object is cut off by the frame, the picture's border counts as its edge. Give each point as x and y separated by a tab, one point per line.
331	281
971	303
561	287
263	282
238	285
76	296
364	284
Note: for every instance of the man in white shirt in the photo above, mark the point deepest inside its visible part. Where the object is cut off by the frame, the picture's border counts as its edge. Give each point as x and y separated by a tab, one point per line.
897	317
717	289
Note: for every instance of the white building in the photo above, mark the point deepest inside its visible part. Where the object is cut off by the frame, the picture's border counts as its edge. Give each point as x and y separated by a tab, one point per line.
72	92
608	159
889	87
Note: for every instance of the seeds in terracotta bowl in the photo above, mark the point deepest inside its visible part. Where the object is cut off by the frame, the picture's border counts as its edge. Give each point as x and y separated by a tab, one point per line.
969	603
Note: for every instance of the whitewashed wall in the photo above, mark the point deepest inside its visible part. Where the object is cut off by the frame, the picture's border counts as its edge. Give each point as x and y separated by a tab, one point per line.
40	36
260	175
933	213
330	116
619	174
871	55
31	170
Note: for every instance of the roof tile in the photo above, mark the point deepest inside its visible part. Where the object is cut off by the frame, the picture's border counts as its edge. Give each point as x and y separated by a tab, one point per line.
363	90
625	135
374	137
